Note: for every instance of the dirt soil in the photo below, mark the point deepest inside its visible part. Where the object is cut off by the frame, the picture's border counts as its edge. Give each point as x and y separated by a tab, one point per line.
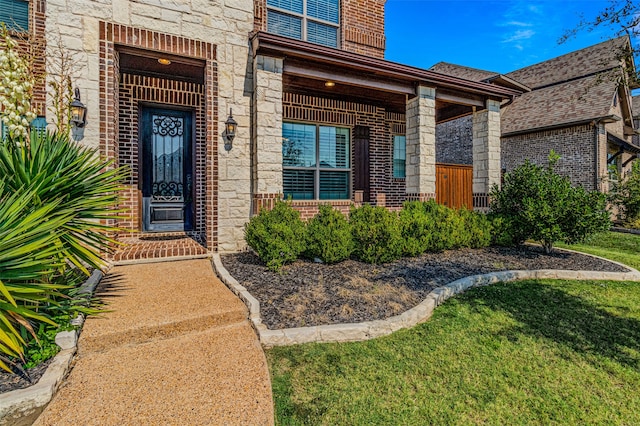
307	293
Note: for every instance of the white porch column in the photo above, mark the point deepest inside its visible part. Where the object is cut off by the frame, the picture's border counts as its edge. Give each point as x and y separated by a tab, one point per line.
486	153
267	131
421	145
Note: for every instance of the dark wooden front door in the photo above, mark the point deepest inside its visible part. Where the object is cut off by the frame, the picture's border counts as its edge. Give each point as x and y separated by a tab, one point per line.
361	179
167	181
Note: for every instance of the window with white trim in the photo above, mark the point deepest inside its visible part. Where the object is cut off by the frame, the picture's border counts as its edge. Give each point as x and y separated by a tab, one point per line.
15	14
399	156
316	21
316	162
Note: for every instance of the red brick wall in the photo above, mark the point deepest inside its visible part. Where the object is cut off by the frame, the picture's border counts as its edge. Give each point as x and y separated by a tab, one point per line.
361	25
383	125
113	35
134	89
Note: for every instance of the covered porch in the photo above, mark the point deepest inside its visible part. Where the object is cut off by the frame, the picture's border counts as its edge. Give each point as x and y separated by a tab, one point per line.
358	129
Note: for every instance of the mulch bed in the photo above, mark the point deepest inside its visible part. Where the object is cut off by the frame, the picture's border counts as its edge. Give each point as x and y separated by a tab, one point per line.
306	293
11	382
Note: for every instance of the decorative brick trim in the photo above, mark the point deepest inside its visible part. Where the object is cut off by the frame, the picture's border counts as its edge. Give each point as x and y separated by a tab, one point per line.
370	39
421	197
206	160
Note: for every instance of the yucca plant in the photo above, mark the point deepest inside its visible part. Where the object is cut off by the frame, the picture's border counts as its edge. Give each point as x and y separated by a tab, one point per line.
78	180
29	242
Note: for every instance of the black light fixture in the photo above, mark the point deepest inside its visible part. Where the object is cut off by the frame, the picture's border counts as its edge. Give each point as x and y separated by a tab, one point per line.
78	111
230	127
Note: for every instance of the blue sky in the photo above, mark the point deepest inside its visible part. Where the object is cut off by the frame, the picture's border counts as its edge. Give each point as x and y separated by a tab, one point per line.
499	36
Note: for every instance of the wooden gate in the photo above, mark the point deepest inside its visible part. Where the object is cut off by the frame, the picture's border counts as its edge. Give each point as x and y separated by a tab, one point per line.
454	185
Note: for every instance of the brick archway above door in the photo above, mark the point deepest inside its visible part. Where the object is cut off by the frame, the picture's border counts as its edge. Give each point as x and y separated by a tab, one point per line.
116	36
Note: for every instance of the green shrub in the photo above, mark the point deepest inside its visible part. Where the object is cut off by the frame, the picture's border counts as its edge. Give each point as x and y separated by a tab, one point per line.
477	228
501	230
376	234
277	235
448	230
417	228
625	194
329	236
539	204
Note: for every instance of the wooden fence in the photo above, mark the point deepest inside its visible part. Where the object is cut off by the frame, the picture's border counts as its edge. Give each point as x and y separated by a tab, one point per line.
454	185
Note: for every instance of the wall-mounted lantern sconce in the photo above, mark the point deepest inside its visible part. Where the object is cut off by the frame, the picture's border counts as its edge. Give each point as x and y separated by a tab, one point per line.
78	116
230	127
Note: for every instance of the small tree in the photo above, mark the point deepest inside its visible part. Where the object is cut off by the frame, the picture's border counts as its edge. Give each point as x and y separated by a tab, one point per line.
539	204
625	194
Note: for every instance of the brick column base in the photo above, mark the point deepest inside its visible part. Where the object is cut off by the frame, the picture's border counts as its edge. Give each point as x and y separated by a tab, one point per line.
481	202
264	201
421	197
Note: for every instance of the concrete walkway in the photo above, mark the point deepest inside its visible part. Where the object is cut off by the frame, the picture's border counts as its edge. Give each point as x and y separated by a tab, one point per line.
176	348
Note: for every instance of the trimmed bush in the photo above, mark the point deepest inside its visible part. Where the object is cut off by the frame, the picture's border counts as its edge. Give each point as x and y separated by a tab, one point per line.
431	227
477	228
277	235
376	234
417	228
539	204
329	236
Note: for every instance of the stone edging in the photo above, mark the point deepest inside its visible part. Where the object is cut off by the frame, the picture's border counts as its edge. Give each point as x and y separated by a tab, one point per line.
422	312
625	230
23	406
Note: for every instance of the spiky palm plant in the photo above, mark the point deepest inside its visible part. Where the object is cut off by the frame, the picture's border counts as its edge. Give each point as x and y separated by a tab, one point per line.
57	200
29	241
76	178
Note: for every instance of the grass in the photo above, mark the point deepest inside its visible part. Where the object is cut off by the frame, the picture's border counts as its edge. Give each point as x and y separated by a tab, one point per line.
616	246
530	352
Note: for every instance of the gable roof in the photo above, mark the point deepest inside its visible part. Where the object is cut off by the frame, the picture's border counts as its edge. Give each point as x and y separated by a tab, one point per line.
576	87
576	101
577	64
468	73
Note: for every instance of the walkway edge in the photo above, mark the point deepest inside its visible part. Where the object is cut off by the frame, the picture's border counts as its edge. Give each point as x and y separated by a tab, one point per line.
23	406
355	332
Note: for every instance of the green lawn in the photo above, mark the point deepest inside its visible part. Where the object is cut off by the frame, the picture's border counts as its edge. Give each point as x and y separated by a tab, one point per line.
528	352
617	246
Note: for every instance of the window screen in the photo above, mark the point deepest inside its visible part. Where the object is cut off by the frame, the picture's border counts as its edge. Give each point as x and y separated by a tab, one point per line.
316	21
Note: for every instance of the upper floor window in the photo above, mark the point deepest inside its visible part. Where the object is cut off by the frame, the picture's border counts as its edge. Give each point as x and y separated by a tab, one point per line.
316	21
15	14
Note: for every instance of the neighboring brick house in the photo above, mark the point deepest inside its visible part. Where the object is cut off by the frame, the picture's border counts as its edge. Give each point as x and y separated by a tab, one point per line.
575	104
321	116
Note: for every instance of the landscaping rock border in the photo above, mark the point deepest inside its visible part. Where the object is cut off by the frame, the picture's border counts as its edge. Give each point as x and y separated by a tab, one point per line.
422	312
23	406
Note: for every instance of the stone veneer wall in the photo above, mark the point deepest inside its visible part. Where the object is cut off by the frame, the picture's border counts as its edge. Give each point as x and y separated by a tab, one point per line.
134	89
215	31
385	190
486	153
575	145
361	25
421	145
